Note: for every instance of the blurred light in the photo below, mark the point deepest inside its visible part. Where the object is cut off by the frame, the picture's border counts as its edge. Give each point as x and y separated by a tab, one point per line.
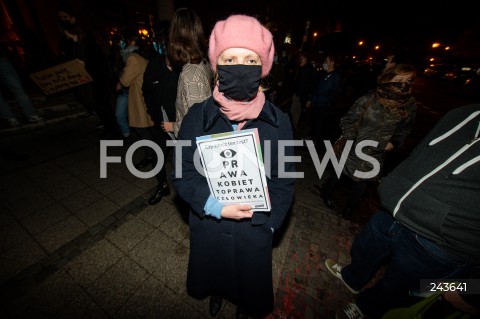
143	32
447	48
377	47
435	45
315	34
432	59
360	42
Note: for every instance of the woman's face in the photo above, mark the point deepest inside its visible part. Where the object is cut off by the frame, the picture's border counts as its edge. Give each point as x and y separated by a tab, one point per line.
407	78
234	56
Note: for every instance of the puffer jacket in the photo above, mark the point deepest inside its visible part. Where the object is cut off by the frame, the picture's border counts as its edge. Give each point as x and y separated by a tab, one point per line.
377	123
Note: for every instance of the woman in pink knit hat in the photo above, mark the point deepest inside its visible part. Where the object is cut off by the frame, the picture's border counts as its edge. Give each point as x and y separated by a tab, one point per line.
231	244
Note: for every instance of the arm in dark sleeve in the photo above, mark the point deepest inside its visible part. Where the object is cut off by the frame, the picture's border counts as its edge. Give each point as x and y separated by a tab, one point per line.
280	188
403	129
192	187
148	90
348	123
81	52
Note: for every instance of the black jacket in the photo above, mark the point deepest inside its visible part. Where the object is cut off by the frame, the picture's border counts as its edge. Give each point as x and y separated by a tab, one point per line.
159	89
305	81
435	192
366	120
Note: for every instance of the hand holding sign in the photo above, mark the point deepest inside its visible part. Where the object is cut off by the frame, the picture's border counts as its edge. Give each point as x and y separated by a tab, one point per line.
236	211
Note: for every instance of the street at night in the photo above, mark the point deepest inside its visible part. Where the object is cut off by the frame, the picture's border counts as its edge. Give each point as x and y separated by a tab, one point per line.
76	244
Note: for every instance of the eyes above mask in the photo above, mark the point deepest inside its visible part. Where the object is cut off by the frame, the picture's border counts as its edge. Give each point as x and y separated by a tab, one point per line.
402	87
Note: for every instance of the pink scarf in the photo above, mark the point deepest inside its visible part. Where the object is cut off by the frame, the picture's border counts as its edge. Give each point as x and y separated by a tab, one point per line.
239	111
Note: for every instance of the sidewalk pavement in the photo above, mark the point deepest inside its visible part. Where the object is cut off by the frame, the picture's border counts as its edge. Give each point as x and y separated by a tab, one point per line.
78	246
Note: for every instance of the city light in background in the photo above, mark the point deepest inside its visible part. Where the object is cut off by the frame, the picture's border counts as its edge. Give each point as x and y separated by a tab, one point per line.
353	31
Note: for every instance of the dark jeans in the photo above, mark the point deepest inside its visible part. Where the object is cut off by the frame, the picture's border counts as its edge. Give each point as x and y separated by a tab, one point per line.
11	79
323	124
145	134
157	135
411	258
160	137
95	100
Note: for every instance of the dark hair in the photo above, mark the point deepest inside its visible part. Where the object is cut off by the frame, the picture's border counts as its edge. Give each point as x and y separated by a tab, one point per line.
160	31
398	69
187	42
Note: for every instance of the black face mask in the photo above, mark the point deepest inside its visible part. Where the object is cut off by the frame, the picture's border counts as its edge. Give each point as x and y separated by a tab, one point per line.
239	82
394	90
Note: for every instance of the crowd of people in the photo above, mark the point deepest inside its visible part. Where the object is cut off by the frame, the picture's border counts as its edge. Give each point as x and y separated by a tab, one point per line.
235	79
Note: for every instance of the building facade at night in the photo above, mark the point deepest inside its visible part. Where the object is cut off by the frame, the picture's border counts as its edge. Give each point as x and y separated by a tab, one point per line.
29	28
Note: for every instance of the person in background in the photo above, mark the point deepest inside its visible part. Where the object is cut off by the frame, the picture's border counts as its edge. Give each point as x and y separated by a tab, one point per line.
274	81
159	92
390	61
187	52
303	84
121	101
132	78
427	227
385	116
368	81
96	96
231	245
11	79
322	103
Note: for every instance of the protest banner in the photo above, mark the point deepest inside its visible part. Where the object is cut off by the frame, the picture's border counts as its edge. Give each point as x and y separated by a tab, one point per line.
234	168
61	77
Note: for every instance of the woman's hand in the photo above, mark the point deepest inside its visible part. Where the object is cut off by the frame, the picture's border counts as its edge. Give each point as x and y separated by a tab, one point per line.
167	126
389	147
237	211
82	63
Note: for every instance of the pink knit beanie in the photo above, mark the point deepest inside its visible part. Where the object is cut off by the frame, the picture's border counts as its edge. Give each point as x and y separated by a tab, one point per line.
241	31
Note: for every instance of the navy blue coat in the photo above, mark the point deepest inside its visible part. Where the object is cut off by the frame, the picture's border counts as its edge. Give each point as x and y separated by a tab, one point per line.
233	258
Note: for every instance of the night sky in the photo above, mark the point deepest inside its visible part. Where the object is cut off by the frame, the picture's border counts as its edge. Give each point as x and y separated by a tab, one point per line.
412	24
